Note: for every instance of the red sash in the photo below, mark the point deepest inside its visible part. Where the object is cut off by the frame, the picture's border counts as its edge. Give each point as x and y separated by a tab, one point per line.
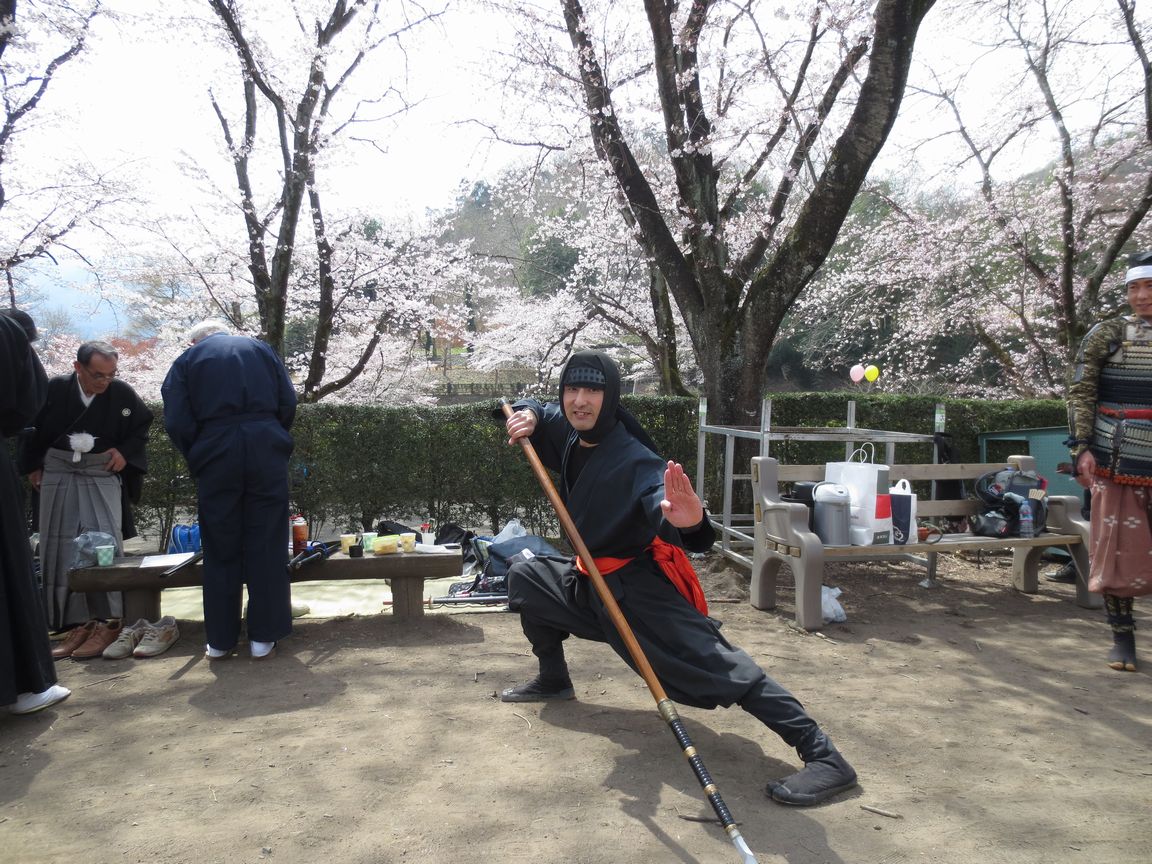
1127	413
670	559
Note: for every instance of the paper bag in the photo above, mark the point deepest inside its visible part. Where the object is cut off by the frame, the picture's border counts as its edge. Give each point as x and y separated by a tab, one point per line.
871	509
903	512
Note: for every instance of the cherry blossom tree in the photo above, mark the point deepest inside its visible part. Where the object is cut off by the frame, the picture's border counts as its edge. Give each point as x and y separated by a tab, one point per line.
581	277
343	293
43	202
987	283
768	121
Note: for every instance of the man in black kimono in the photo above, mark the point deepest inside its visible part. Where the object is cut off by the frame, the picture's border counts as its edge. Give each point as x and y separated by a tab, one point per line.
228	406
637	514
27	673
87	458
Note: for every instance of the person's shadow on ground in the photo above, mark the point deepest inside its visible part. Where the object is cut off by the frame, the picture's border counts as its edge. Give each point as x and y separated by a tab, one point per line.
738	767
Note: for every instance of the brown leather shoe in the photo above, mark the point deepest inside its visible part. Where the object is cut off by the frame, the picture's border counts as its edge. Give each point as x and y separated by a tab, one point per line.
76	637
104	634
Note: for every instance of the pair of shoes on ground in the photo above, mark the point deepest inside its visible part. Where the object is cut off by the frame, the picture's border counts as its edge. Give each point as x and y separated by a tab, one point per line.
1066	575
30	703
144	639
260	651
88	640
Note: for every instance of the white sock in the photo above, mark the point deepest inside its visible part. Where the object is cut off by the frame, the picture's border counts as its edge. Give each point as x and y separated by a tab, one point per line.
261	649
214	652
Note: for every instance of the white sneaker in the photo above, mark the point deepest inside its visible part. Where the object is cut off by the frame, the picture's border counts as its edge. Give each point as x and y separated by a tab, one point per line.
157	638
127	641
260	650
29	703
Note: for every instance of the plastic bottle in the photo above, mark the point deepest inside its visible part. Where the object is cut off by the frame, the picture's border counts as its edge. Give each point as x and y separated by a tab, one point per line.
299	534
1027	529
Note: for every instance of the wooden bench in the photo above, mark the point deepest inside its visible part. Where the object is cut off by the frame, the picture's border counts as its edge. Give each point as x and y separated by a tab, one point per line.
782	536
405	572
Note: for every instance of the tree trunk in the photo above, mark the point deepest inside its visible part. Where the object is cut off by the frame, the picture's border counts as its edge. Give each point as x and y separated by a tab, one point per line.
733	301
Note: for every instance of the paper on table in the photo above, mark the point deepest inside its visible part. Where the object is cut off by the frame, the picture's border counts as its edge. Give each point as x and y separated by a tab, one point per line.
166	560
432	549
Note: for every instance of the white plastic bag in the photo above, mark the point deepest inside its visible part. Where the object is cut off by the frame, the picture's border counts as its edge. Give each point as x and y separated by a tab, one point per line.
84	554
830	608
512	528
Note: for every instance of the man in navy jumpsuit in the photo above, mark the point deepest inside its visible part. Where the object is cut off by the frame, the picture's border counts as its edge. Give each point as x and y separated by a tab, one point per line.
228	406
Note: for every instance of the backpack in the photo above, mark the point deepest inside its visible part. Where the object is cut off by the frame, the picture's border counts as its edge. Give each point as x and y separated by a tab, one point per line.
185	538
997	490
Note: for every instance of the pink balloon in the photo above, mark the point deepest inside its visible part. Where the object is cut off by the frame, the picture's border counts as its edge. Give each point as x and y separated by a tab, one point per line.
856	373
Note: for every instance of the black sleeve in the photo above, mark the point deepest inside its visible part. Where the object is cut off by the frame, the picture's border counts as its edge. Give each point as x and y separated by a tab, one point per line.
701	537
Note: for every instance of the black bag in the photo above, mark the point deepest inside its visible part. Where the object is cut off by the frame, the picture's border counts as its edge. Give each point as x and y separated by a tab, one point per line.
450	532
387	526
493	579
1000	491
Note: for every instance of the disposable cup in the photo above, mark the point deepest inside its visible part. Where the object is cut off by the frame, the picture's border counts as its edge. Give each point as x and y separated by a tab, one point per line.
408	542
104	555
367	540
428	538
347	541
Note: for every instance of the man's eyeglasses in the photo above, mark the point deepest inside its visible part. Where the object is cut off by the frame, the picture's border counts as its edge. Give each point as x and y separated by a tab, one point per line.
100	376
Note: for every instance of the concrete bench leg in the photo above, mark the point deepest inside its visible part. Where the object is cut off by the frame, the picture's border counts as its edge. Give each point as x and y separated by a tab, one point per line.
809	577
763	588
1084	598
141	603
1026	568
407	597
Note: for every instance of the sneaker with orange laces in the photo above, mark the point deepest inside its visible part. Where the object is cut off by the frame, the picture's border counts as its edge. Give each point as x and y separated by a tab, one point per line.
158	638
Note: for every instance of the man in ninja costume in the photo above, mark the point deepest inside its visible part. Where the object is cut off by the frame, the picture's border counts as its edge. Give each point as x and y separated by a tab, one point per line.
637	514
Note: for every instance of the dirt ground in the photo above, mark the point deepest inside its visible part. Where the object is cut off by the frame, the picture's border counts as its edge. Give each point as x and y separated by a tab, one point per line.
984	723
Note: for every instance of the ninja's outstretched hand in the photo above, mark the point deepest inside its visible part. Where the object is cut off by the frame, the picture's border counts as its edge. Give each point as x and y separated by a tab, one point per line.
681	505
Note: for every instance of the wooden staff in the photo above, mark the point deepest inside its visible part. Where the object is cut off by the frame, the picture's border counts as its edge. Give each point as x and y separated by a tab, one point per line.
663	703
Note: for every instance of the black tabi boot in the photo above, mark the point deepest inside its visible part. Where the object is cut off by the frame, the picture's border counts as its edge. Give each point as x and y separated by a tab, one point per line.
1122	657
825	773
540	689
553	683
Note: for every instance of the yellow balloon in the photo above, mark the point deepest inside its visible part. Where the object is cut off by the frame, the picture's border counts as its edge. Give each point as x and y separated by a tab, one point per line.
871	373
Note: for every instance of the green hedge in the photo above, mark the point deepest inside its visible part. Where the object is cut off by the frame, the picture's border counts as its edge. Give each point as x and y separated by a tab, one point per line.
356	464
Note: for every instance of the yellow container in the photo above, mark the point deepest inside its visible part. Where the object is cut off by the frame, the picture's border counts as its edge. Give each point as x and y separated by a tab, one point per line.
386	544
